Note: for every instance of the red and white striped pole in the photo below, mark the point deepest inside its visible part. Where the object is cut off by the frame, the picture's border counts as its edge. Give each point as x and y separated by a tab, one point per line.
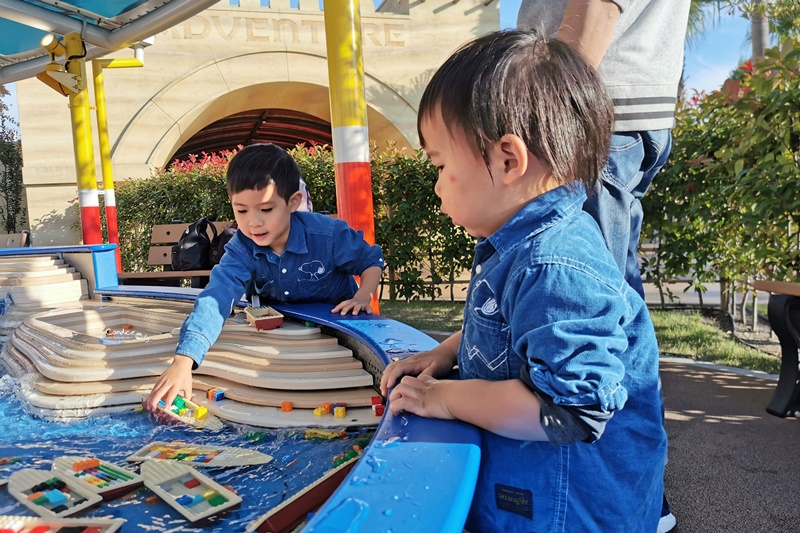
349	118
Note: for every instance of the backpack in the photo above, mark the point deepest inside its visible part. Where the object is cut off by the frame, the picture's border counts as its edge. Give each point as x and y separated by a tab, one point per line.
218	243
194	248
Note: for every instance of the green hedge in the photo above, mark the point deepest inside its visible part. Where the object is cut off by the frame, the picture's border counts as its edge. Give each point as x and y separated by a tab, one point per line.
424	252
727	205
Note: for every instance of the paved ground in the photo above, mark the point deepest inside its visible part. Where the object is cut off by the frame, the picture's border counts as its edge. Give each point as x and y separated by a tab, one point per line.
732	466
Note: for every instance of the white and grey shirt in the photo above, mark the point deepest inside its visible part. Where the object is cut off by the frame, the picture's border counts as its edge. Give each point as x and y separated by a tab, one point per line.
643	64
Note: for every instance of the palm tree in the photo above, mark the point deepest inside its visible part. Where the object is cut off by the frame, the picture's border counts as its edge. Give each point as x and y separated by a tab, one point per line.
759	30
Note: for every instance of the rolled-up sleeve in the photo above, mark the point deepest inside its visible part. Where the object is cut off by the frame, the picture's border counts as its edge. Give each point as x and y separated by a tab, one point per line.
570	335
351	253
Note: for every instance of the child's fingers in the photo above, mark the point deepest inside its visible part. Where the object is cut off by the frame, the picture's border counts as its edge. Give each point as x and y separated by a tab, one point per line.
387	379
406	396
155	395
392	375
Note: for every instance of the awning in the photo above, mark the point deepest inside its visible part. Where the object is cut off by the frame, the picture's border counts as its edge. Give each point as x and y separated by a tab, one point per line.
105	25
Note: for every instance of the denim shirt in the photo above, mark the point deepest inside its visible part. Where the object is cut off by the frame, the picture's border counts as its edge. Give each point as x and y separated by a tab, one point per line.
321	257
546	298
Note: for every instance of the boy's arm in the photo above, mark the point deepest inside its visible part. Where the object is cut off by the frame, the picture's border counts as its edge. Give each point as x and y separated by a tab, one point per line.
370	279
507	407
202	327
588	27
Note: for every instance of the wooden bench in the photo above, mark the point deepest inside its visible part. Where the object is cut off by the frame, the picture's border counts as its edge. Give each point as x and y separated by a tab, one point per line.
15	240
162	239
783	311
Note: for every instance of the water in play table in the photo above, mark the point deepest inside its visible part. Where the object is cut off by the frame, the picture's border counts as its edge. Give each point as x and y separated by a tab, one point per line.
30	442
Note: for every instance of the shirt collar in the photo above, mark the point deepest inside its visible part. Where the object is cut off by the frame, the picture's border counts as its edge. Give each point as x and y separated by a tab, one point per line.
297	236
536	216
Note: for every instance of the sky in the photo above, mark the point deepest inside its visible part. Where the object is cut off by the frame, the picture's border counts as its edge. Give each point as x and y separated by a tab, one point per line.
709	59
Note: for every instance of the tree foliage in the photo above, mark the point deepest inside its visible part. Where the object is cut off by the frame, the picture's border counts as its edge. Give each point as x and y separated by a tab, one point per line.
11	209
726	205
783	15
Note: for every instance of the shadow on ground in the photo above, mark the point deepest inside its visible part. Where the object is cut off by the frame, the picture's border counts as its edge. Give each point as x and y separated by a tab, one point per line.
732	466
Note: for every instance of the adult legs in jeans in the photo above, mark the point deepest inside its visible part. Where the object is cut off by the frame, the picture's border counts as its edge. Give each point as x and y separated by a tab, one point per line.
634	160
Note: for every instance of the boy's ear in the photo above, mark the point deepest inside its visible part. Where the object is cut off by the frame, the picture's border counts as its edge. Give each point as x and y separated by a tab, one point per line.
294	201
512	155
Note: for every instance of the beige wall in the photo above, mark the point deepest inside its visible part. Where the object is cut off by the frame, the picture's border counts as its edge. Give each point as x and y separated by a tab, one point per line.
230	59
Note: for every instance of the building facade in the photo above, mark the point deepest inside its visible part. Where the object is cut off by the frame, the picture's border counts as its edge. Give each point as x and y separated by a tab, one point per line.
227	60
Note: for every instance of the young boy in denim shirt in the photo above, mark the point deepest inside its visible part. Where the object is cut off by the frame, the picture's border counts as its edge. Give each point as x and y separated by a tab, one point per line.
278	253
557	356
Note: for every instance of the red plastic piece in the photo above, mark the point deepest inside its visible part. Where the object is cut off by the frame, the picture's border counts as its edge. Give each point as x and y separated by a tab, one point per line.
192	483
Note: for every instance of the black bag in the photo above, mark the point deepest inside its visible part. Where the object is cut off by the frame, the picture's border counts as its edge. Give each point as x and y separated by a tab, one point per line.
218	243
193	251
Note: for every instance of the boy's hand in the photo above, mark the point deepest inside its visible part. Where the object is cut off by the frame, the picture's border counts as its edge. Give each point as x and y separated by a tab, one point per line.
423	396
356	304
177	378
435	363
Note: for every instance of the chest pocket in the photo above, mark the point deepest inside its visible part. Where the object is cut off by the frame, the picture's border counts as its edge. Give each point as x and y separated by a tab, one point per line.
265	288
486	348
314	279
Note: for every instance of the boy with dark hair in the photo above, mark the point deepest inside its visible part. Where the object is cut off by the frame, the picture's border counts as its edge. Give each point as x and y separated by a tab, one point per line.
278	253
557	356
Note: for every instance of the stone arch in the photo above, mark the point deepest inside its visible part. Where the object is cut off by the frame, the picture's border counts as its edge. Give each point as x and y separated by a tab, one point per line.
278	79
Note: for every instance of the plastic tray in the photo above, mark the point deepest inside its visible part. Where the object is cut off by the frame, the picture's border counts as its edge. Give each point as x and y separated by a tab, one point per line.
22	482
194	495
98	476
199	455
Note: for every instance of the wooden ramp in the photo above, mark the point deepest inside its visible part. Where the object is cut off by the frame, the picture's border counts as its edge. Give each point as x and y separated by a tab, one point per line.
92	360
35	281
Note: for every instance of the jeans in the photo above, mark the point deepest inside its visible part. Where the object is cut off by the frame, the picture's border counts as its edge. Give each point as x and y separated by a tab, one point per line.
633	161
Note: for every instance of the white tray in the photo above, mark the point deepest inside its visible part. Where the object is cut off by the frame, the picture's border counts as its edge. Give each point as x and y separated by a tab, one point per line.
168	479
199	455
22	481
107	480
27	523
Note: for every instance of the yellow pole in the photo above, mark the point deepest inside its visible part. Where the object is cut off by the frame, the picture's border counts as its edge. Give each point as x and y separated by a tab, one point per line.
82	142
349	118
105	145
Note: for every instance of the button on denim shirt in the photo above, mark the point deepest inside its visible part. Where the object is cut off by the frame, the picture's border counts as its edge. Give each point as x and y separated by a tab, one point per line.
321	257
546	298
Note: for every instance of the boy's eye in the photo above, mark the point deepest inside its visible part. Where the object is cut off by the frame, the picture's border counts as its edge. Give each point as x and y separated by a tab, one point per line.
241	211
266	210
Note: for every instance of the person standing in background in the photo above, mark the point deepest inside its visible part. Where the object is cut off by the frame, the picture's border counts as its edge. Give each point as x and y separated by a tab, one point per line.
637	47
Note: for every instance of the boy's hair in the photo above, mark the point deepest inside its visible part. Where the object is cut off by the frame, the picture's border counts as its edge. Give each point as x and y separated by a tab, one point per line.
519	82
257	165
